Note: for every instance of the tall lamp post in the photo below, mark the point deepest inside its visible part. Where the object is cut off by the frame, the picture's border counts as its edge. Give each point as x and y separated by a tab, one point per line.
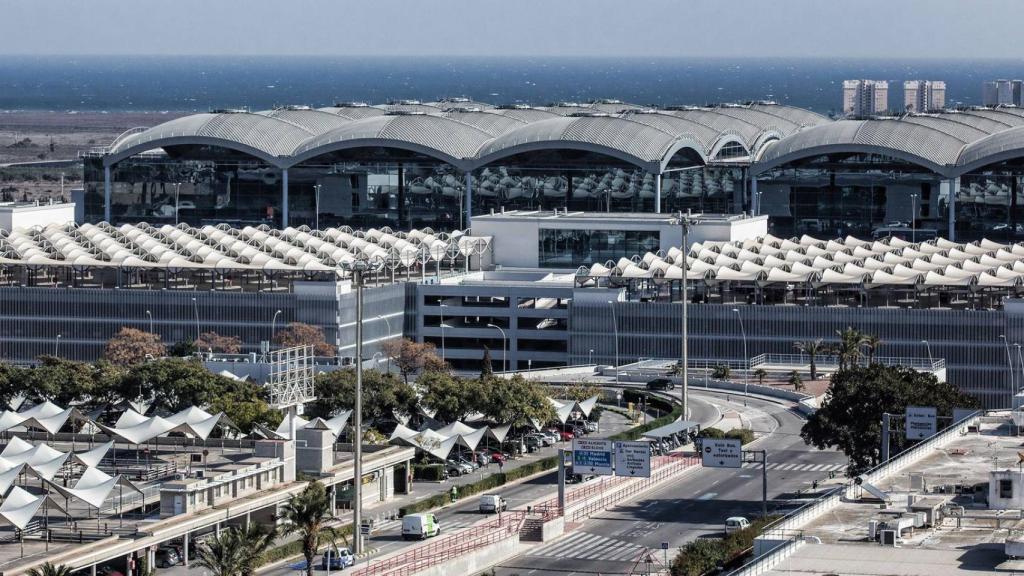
615	325
504	347
1020	360
273	325
1009	363
746	359
195	306
929	348
358	267
388	322
150	314
316	217
56	346
443	326
913	218
177	192
684	224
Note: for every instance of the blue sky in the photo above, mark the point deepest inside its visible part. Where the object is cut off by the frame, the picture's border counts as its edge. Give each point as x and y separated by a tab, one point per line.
896	29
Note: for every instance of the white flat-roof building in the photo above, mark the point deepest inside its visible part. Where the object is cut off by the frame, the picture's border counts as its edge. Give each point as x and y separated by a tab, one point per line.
29	214
562	239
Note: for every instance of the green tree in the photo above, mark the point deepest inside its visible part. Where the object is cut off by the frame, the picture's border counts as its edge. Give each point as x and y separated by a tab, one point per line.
60	380
223	555
452	398
813	349
245	403
173	383
721	372
795	381
183	349
12	383
849	347
48	569
486	367
308	514
760	373
385	395
131	346
255	539
850	417
516	401
872	342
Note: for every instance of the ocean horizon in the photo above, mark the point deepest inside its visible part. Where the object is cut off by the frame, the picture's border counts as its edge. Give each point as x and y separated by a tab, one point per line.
202	83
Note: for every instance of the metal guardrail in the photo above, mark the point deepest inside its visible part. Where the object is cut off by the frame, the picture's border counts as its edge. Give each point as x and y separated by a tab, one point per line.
831	361
670	465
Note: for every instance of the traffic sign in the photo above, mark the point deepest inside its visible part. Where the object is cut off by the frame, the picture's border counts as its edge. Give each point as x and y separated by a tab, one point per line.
592	456
920	422
721	452
664	545
633	459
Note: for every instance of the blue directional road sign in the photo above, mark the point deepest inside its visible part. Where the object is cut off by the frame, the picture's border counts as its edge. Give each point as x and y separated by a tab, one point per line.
592	456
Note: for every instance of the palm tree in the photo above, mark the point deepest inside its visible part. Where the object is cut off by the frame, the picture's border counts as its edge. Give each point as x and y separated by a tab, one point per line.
872	343
813	349
760	373
224	555
849	348
255	539
308	514
48	569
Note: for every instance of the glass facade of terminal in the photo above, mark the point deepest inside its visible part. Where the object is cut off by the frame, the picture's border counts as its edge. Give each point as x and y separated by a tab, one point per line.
864	195
573	248
990	203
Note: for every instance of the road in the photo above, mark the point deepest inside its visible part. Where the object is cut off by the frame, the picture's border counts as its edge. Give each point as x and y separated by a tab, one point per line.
388	537
695	506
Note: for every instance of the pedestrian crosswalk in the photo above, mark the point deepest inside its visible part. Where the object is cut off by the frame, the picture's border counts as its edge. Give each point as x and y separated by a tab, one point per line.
790	467
587	546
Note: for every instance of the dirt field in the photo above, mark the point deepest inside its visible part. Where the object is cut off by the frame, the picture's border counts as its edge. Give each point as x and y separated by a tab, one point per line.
56	136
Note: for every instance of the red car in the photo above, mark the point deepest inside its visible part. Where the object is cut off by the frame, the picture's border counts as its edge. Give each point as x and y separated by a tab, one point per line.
566	435
498	457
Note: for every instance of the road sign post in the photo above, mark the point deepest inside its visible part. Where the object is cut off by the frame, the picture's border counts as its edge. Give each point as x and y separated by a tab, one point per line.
721	453
633	459
921	422
592	456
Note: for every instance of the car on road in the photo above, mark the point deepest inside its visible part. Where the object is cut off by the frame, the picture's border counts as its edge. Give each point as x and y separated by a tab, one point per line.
492	504
572	478
420	526
340	558
660	384
735	524
166	557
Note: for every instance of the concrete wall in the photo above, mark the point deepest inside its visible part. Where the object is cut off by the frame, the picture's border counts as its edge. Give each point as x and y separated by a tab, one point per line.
477	561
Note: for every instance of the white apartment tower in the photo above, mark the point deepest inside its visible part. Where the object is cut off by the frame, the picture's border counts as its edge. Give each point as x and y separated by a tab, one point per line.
1002	93
924	95
865	97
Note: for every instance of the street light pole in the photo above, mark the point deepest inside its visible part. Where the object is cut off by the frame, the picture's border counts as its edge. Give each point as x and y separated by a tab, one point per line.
195	305
443	326
388	322
591	356
504	347
929	348
746	358
615	325
273	326
150	314
177	192
913	218
684	223
358	267
1020	360
1009	362
56	346
317	215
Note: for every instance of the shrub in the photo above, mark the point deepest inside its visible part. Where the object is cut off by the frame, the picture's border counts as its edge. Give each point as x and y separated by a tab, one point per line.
705	554
428	472
483	485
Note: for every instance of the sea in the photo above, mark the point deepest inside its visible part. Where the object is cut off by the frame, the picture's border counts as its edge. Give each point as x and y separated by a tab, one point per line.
202	83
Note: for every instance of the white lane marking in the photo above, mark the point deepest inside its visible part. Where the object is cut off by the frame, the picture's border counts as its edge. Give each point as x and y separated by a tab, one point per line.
708	496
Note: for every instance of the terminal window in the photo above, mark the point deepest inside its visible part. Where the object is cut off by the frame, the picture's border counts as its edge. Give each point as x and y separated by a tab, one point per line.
572	248
1006	488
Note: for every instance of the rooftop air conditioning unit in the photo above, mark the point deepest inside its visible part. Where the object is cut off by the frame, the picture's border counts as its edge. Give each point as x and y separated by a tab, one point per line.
890	538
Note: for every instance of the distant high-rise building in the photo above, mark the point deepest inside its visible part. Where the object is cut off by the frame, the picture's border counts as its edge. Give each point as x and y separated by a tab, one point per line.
865	97
924	95
1002	93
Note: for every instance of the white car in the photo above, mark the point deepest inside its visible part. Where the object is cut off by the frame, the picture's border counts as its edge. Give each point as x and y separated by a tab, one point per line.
492	504
735	524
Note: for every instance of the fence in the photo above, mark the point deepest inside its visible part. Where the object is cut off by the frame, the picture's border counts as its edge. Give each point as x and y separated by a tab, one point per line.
669	466
831	361
446	548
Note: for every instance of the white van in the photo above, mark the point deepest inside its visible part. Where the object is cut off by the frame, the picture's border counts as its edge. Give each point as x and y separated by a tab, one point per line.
492	504
420	526
735	524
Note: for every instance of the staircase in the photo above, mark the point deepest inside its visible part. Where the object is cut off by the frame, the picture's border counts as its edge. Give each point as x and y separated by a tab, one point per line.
532	530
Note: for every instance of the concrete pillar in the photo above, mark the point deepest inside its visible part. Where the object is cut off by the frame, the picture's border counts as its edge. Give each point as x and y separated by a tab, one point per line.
408	477
128	565
284	198
92	570
469	200
184	548
332	493
755	200
106	193
657	193
952	187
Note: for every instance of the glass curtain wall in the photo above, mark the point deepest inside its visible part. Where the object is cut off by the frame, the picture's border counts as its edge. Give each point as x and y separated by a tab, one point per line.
989	203
573	248
864	195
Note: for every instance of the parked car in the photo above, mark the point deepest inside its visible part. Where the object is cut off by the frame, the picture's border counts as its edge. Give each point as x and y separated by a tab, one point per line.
735	524
660	384
590	425
544	439
499	457
566	435
532	442
420	526
552	435
573	478
166	557
492	504
483	457
469	461
456	468
340	558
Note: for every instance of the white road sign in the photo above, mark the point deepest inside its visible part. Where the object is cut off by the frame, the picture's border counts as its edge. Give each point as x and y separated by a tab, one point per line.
633	459
721	453
592	456
920	422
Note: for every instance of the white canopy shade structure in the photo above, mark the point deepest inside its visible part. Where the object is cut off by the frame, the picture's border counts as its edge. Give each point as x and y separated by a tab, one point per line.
46	416
93	487
429	441
135	428
20	506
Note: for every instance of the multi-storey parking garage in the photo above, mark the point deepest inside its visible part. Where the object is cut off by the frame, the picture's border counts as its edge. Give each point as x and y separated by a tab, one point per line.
410	164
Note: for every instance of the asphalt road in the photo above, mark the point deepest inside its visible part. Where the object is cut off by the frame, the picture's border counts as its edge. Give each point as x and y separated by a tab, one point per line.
695	506
388	537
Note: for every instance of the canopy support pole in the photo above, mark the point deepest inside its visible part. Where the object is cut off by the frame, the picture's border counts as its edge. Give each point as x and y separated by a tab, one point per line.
284	198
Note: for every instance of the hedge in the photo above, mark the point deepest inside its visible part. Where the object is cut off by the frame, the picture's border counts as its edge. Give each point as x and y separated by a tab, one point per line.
707	554
483	485
430	472
742	434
